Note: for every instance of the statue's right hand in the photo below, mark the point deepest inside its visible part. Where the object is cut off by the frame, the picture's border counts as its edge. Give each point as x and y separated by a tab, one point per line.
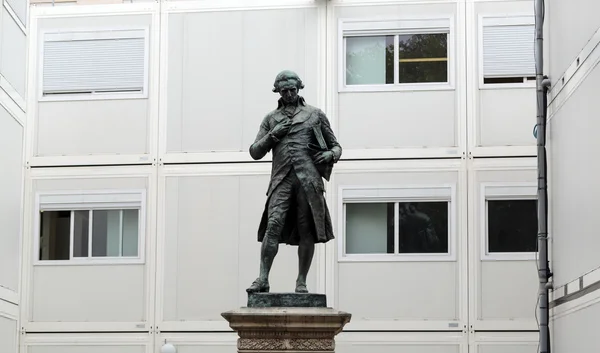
281	129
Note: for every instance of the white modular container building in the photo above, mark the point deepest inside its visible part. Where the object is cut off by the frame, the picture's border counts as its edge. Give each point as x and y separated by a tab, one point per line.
141	203
574	34
13	63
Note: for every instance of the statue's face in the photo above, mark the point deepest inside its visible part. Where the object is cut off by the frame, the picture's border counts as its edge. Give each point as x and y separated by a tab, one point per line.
289	94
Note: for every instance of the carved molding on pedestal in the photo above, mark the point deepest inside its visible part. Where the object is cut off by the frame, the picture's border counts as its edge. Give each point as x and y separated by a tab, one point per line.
282	329
287	344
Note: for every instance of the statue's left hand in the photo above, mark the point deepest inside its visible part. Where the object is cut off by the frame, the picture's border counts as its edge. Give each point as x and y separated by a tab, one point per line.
324	157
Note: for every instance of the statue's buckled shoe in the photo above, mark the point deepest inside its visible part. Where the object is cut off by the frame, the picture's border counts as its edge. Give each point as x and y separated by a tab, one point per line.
258	287
301	288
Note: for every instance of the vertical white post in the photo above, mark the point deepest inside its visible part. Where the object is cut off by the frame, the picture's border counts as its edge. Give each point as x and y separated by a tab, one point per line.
396	59
90	226
343	239
120	233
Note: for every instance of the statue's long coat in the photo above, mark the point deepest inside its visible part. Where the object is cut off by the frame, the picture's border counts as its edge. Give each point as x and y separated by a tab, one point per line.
293	152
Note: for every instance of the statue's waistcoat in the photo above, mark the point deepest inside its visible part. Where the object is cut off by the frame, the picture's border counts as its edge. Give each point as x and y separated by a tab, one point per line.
293	150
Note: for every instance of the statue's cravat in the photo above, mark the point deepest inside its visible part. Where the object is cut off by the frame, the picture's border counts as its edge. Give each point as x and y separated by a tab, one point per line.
290	110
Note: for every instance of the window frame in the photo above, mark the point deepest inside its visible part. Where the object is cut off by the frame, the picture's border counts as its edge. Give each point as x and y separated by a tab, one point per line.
383	194
397	26
90	200
502	192
94	33
500	20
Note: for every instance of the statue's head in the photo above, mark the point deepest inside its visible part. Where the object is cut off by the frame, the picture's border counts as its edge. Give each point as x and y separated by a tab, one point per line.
288	84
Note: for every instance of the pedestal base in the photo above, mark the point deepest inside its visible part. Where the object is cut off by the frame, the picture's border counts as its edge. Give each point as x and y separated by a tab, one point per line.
287	300
279	329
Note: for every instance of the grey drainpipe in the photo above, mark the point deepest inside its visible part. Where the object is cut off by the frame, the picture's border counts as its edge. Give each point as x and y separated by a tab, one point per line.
544	273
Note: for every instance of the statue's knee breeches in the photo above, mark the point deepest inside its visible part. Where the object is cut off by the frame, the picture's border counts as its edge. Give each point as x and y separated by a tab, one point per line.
279	205
274	229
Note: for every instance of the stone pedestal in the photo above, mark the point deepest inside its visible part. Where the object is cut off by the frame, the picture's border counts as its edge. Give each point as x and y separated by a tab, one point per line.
275	322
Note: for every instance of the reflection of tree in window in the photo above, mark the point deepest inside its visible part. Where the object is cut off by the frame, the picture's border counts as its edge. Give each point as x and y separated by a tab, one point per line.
423	227
370	60
512	225
423	58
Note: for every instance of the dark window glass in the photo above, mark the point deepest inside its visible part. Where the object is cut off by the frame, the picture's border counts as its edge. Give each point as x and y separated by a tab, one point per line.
512	226
55	235
370	228
81	229
505	80
423	227
389	59
423	58
502	80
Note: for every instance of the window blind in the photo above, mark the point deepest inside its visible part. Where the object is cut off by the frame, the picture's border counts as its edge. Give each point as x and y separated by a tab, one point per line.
87	200
101	63
508	51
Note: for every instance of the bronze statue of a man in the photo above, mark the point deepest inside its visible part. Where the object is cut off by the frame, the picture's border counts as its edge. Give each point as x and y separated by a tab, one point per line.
304	151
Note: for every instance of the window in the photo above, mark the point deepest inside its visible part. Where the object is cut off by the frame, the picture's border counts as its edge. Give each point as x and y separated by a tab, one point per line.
376	220
88	64
388	224
78	227
380	55
508	50
510	221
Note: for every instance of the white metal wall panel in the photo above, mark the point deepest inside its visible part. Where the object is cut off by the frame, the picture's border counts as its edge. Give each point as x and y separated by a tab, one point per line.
392	348
404	297
8	334
574	183
87	343
89	294
67	294
66	348
20	9
505	348
89	182
222	342
504	342
2	19
94	65
369	294
391	342
508	51
211	248
501	116
206	347
80	128
410	10
515	302
507	117
11	160
219	82
495	303
570	29
13	55
93	127
397	119
578	330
